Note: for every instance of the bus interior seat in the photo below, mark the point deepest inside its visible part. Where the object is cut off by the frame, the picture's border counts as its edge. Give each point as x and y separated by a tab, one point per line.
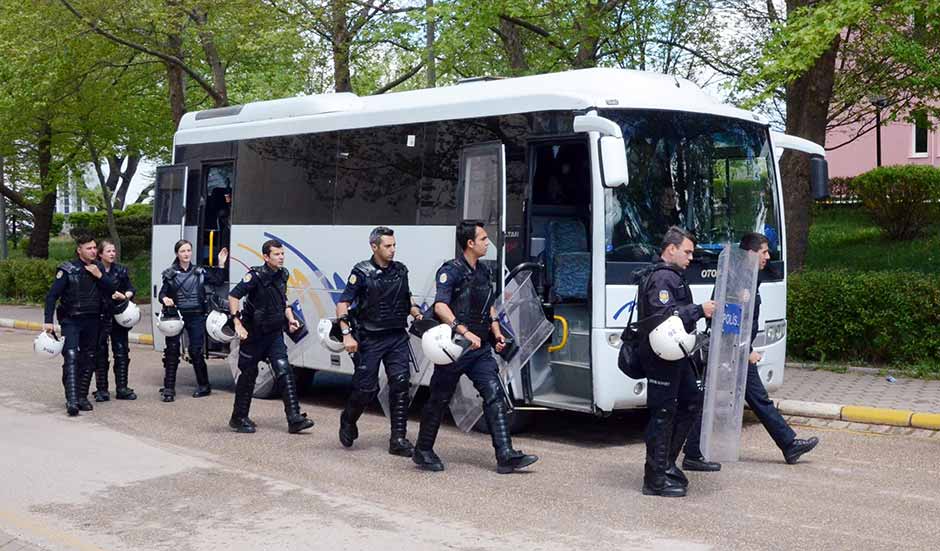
567	259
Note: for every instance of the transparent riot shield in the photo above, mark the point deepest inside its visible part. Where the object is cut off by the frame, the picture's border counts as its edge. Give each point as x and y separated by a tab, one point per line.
265	384
522	319
729	347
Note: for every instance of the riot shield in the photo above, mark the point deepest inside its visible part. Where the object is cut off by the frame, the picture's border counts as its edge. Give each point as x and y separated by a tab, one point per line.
729	347
522	319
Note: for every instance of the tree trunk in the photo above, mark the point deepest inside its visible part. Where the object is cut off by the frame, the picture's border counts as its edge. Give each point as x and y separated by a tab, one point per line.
176	80
515	51
212	58
429	44
42	211
808	99
120	196
341	45
112	226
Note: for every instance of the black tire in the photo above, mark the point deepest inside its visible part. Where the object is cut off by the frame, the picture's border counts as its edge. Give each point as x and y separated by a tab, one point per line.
519	421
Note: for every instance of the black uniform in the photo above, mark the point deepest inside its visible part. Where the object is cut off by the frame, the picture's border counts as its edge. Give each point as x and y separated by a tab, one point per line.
263	316
672	396
108	329
187	288
79	295
469	293
381	300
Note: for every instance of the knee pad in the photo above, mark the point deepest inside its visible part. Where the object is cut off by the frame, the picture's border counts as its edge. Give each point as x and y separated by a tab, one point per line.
492	393
398	383
281	367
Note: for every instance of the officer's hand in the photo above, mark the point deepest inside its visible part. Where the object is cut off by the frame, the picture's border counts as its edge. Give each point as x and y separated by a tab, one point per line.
350	344
241	331
118	296
167	301
293	325
223	256
93	270
709	308
416	313
755	358
474	340
48	328
500	342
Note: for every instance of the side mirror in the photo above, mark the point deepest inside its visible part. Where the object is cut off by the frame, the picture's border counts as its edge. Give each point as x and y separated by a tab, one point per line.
613	162
819	177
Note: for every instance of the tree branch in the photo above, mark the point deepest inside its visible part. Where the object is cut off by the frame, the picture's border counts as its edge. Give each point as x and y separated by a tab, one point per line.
410	73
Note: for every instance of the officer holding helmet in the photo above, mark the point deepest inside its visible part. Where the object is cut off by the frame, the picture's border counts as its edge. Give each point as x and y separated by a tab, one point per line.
464	301
79	287
672	395
260	326
378	289
111	330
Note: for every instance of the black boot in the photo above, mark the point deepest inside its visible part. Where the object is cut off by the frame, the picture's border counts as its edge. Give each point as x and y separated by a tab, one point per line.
121	363
86	372
296	421
508	460
70	381
684	425
431	418
658	441
244	388
797	448
398	401
101	374
171	362
356	404
203	388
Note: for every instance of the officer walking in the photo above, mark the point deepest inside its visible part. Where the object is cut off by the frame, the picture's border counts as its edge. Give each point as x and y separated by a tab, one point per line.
378	290
260	326
672	395
754	393
184	288
109	330
464	301
80	285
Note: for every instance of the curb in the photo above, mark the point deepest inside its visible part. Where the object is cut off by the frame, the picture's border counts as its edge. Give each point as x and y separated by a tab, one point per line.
861	414
135	338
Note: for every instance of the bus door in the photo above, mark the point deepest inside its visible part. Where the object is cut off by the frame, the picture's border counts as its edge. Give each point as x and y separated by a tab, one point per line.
169	222
214	232
481	195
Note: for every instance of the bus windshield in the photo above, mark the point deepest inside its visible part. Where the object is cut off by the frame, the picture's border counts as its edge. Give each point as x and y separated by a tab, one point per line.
713	176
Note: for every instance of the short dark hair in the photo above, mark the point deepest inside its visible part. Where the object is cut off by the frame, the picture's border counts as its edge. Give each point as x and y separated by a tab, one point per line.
467	231
675	236
753	241
271	244
83	238
375	236
180	243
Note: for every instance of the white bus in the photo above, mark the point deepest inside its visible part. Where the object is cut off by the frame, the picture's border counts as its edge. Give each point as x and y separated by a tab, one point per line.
577	175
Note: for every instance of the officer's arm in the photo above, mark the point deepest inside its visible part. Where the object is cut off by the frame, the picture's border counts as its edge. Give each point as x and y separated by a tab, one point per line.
446	315
107	284
661	299
165	289
58	286
494	324
125	284
235	296
342	311
351	292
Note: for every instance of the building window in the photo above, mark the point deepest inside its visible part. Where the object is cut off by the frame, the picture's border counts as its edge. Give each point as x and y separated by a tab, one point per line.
920	139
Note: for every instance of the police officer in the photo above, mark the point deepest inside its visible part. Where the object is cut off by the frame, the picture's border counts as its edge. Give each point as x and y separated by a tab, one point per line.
184	287
672	396
378	289
80	285
109	330
755	394
260	326
464	300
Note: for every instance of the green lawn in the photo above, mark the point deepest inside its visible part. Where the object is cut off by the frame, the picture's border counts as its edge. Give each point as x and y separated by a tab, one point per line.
844	238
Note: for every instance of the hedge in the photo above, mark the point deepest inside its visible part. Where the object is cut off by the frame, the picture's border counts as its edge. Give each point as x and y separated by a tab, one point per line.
27	279
903	200
890	317
134	226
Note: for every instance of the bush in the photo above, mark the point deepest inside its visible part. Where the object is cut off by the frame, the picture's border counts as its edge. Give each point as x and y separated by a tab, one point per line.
27	279
902	200
58	220
134	226
888	317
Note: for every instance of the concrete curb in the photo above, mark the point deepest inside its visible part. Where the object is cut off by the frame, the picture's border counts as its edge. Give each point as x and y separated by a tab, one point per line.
861	414
134	338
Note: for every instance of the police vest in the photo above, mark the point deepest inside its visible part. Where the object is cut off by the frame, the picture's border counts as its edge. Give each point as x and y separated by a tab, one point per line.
81	297
265	304
121	277
473	296
187	288
386	299
644	276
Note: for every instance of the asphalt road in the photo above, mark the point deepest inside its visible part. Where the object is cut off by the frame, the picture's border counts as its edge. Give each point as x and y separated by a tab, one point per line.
148	475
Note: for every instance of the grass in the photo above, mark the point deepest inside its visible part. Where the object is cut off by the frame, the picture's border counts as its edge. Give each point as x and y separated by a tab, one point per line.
845	238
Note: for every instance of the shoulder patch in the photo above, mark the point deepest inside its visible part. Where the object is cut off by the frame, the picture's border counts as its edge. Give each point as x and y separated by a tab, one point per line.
247	278
353	279
664	296
442	278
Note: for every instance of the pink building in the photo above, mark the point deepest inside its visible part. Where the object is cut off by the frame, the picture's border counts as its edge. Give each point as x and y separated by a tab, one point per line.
901	143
